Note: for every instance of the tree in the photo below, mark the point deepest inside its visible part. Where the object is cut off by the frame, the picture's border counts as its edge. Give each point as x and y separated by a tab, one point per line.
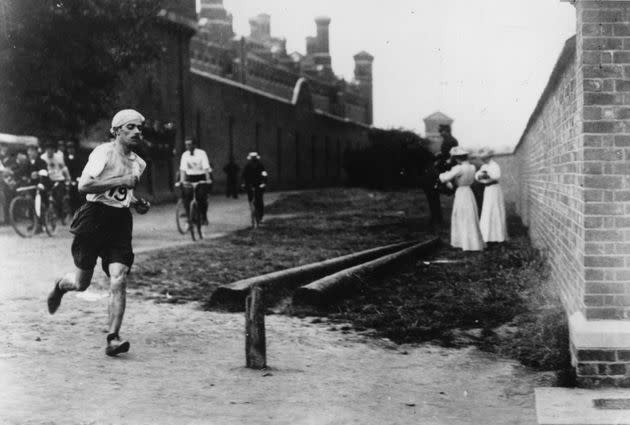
62	60
390	152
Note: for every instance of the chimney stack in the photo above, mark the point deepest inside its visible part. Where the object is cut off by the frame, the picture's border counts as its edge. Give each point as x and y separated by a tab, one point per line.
322	22
260	27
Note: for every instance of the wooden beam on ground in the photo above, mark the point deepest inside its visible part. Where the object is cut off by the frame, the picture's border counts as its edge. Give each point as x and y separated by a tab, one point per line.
232	296
340	284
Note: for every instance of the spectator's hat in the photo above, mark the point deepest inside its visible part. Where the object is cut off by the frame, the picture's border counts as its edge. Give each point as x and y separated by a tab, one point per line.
253	155
50	144
70	144
458	152
485	153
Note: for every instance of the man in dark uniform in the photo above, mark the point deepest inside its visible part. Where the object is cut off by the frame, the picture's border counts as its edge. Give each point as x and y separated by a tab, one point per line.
255	182
448	141
429	177
28	172
231	171
75	167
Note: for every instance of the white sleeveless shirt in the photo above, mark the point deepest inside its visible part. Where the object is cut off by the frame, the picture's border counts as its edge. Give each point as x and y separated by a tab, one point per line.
106	162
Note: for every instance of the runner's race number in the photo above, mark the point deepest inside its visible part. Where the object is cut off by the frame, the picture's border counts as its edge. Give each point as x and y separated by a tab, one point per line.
118	193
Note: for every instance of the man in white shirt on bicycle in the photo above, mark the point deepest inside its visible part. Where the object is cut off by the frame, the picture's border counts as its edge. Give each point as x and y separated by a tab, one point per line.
194	166
57	173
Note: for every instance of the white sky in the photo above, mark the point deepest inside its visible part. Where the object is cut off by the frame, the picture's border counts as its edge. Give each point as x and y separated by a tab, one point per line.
482	62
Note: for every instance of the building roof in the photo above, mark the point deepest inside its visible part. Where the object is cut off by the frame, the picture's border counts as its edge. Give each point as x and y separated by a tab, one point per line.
363	55
438	116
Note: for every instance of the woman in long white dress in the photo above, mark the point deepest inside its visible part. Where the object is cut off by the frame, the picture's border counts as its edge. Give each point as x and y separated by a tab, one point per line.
492	223
465	232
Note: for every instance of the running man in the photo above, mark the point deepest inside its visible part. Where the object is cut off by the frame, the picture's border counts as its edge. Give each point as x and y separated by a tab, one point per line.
102	226
193	167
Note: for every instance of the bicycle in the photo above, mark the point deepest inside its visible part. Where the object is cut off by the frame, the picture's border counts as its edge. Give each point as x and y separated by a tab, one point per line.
27	212
63	204
192	221
256	205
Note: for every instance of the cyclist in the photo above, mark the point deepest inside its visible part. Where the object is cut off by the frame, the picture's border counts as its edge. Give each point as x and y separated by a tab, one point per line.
255	181
27	169
194	166
57	173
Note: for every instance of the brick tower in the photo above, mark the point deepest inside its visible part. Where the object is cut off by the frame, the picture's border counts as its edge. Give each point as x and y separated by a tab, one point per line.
363	75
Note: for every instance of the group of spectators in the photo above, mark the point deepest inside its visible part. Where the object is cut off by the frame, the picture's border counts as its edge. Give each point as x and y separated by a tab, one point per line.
48	164
454	173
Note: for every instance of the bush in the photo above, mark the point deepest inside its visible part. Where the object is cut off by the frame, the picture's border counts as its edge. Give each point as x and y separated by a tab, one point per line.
390	152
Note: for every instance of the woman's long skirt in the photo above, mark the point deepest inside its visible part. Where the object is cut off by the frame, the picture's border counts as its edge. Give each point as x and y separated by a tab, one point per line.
492	223
465	233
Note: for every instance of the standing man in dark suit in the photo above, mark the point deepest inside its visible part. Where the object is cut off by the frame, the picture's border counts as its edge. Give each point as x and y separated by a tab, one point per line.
231	170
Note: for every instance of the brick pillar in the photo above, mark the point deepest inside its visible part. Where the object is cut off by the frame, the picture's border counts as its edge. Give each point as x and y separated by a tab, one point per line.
600	330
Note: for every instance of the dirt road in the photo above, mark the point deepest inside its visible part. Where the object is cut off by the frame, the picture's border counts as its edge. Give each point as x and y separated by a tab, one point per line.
185	365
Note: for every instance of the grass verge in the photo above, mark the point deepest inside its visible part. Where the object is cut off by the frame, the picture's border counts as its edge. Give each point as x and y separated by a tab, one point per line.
498	300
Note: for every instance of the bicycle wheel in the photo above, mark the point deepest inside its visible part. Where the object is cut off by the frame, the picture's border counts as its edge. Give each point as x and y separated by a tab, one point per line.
199	224
193	218
181	218
66	211
50	220
22	215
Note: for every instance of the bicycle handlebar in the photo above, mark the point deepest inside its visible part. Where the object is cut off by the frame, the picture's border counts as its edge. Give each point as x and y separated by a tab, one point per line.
26	188
192	184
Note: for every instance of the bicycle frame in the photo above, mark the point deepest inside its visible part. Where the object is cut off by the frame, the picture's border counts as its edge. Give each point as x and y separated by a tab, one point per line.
192	185
38	188
193	216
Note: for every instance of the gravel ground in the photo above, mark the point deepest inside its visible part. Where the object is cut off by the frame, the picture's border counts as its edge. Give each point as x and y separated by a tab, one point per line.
186	365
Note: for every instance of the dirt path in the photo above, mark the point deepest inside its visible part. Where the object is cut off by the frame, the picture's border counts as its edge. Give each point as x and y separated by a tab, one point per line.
185	365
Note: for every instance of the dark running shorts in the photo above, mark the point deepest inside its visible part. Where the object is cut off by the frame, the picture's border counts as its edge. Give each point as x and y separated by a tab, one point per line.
101	231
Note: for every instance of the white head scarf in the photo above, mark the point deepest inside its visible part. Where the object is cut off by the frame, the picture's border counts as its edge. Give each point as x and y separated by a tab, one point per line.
123	117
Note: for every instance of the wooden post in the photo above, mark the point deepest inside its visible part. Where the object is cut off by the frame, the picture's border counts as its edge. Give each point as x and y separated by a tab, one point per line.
255	345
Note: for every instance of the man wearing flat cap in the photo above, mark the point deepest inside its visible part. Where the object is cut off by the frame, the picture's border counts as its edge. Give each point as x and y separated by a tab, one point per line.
102	226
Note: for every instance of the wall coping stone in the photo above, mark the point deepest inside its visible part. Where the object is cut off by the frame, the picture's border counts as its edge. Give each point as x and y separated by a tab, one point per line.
565	58
604	334
273	97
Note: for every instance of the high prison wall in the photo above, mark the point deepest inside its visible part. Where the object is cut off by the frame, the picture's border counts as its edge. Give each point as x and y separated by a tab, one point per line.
569	180
300	146
543	181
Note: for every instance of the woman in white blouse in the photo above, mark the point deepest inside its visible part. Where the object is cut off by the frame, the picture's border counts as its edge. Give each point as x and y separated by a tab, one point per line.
465	232
492	223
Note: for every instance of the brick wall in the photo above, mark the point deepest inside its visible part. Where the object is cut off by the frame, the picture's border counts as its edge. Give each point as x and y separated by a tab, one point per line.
604	65
300	146
542	180
568	179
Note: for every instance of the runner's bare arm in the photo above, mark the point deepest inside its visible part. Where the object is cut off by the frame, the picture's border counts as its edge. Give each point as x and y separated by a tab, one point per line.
89	184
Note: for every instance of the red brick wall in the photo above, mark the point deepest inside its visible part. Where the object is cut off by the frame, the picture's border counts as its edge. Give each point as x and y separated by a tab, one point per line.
604	67
542	179
568	179
290	137
569	172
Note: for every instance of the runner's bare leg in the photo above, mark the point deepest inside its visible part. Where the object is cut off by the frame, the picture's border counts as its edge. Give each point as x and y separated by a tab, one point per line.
117	296
77	281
